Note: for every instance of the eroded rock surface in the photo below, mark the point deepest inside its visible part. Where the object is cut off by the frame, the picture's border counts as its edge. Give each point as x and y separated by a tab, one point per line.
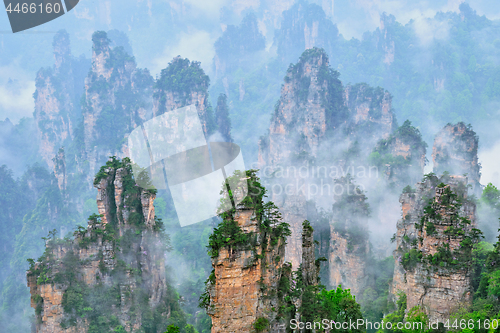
114	268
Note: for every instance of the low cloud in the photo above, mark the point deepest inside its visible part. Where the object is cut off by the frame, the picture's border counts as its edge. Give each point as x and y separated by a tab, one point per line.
367	13
428	30
211	7
490	161
16	94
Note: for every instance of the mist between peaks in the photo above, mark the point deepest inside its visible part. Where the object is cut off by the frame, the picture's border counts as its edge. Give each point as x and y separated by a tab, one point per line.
307	171
310	190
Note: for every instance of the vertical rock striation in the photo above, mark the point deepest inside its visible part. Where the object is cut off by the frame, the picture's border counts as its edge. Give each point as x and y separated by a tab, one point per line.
370	112
60	169
437	230
117	99
303	27
310	103
314	110
349	252
237	45
112	274
401	156
247	287
57	94
455	151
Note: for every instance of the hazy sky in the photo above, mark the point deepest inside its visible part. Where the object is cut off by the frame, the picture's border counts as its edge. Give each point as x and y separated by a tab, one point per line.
192	35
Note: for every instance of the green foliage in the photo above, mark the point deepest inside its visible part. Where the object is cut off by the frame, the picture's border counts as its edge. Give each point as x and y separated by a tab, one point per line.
430	228
182	76
340	306
119	58
410	259
227	234
331	95
494	284
260	324
172	329
491	197
409	189
100	40
95	303
374	299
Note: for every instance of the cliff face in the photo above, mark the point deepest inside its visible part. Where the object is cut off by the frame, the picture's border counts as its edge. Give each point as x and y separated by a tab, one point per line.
313	109
369	108
434	242
434	238
247	287
112	274
347	265
455	151
236	44
300	121
183	83
349	246
238	293
56	99
401	156
303	27
117	99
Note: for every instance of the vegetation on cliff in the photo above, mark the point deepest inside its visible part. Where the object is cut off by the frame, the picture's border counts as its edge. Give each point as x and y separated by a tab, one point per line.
298	295
463	78
458	229
122	248
184	79
328	81
402	155
291	39
456	150
269	221
238	41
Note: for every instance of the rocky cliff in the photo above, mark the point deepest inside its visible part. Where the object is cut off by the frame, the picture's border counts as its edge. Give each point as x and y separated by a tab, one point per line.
247	289
434	242
117	99
57	94
303	27
370	109
349	246
315	111
60	169
236	44
455	151
184	83
385	38
435	236
401	156
111	276
299	122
